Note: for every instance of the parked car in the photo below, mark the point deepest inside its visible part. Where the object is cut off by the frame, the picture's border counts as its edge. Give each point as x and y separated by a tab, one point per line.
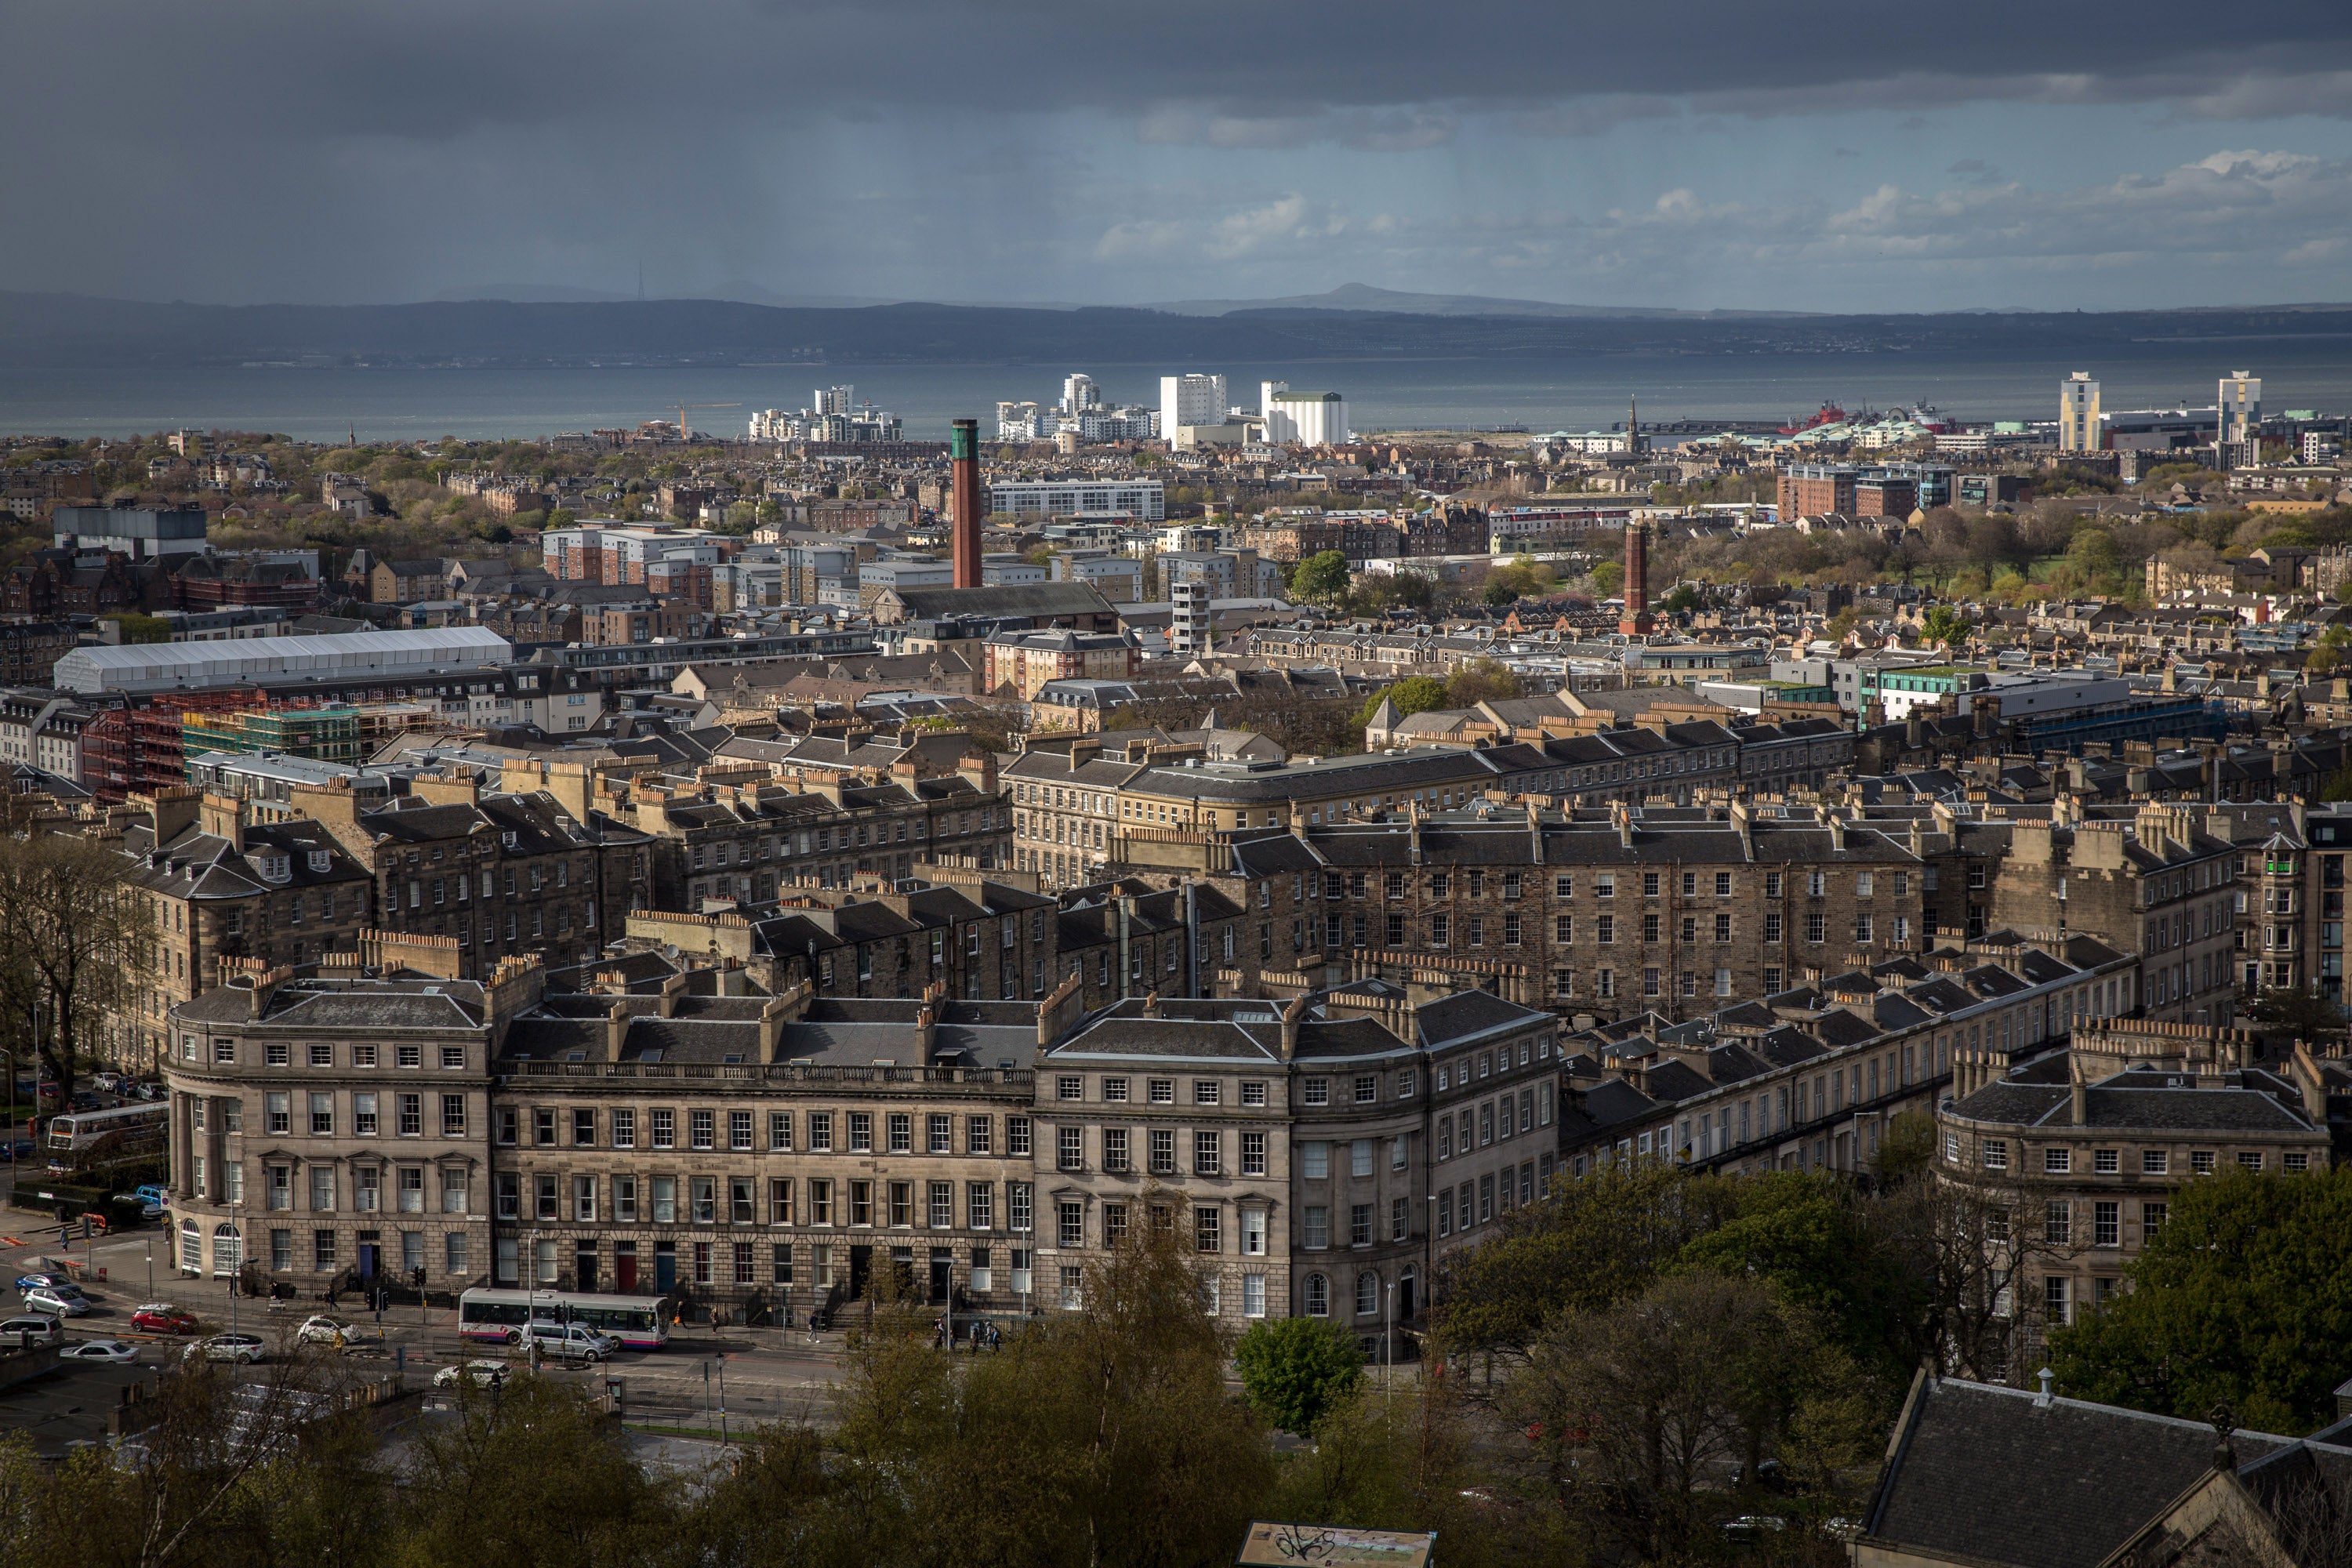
110	1083
61	1300
41	1331
322	1330
480	1374
569	1342
242	1349
17	1149
163	1318
39	1281
112	1350
147	1209
1753	1526
151	1194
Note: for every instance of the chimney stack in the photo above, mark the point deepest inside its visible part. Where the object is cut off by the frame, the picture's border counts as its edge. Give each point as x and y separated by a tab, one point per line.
1637	621
963	462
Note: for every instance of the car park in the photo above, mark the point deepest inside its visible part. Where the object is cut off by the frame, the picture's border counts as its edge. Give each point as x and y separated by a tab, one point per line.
37	1329
480	1374
569	1342
113	1351
163	1318
242	1349
59	1301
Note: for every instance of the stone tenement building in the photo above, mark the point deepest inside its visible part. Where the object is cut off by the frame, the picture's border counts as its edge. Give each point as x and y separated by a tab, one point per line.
1672	910
971	938
2085	1148
2159	885
778	1151
745	840
504	875
1808	1079
220	887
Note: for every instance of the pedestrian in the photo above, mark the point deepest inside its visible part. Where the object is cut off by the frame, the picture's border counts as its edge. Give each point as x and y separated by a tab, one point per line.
331	1292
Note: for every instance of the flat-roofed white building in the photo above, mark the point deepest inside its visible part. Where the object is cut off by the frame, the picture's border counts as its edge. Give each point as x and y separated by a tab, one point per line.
1143	499
193	667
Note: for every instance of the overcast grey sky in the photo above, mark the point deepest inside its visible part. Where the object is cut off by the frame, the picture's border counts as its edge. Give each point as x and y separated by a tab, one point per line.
1684	152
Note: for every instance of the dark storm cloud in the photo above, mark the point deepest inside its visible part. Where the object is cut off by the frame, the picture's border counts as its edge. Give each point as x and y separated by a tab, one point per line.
254	149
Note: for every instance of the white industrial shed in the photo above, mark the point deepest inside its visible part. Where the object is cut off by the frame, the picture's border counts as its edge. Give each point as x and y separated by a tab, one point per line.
169	667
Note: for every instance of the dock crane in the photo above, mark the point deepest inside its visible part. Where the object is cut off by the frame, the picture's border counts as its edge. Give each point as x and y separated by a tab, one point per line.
683	433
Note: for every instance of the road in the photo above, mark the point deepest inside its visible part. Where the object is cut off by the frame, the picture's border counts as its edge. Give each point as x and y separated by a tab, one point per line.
755	1375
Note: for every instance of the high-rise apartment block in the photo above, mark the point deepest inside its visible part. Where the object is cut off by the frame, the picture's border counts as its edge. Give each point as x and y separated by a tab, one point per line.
2078	414
1191	400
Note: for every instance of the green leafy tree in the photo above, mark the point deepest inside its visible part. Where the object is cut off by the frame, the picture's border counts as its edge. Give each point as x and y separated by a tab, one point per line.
1809	1236
1481	680
2244	1297
1587	1245
1295	1369
1608	578
143	628
1320	578
1944	624
1413	694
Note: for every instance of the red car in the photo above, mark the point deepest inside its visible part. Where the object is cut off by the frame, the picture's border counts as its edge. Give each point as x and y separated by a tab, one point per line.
160	1318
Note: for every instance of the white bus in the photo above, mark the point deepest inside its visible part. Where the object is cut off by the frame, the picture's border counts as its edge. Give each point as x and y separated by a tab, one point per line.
88	1133
640	1323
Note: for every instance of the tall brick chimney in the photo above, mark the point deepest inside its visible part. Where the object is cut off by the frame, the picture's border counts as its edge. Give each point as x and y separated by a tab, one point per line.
1636	622
963	462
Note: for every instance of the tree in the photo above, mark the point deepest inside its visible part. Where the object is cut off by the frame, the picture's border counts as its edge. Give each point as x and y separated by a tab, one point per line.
73	940
1413	694
142	629
1608	577
1295	1369
1638	1409
1321	577
2243	1296
1808	1234
530	1475
1587	1244
1942	624
1481	680
2295	1013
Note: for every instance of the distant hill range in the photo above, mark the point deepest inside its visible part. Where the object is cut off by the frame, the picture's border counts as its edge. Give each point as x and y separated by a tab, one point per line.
1364	297
62	331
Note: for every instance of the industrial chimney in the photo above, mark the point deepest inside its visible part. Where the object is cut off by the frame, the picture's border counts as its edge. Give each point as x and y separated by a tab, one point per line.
1637	621
963	460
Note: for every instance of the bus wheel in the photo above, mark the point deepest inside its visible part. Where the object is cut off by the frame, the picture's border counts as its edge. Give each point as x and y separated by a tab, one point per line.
514	1336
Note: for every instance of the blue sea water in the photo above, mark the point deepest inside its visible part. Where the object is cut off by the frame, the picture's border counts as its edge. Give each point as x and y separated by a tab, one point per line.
1575	394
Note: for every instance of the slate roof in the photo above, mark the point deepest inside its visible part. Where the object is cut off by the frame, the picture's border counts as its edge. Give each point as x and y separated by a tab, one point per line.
2249	1101
1982	1474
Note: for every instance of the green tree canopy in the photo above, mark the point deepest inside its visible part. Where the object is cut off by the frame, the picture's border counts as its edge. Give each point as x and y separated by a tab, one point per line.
1322	577
1413	694
1481	680
1295	1369
2243	1296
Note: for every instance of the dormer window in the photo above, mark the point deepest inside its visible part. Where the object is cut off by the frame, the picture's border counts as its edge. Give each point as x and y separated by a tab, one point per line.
322	861
510	838
274	867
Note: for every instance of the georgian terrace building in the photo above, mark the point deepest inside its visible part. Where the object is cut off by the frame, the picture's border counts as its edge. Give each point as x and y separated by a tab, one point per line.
1809	1079
2085	1147
777	1152
1323	1154
333	1120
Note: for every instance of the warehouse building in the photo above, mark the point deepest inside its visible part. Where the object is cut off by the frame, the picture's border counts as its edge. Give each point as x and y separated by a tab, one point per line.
192	667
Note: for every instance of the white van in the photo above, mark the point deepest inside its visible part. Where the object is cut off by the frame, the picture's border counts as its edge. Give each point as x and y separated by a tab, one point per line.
569	1342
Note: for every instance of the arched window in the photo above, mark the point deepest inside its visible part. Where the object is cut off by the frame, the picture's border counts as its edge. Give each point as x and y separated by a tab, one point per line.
1318	1296
228	1249
192	1247
1368	1293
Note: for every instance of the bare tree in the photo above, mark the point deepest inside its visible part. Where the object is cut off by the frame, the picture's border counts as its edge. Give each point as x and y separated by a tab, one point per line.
73	938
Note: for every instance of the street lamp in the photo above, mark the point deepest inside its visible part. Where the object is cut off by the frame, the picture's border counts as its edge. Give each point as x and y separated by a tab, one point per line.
237	1224
1388	1333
